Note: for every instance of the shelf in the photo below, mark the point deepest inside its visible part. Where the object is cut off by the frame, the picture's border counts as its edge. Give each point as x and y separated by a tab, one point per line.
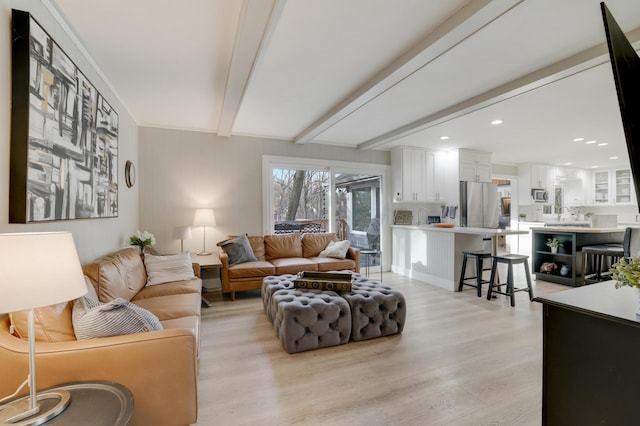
543	252
558	279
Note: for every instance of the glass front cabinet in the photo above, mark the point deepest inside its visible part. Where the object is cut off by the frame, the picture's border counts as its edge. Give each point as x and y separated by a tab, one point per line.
613	186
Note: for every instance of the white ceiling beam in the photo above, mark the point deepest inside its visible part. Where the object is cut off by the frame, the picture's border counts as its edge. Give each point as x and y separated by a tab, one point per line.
567	67
258	20
468	20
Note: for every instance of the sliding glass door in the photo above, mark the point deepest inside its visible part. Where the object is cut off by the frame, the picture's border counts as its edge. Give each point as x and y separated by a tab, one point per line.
303	195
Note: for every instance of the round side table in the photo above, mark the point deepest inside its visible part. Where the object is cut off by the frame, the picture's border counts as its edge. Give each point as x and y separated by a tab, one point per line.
368	254
94	403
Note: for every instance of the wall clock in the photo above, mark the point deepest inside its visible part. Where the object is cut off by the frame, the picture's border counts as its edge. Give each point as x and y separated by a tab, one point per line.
129	173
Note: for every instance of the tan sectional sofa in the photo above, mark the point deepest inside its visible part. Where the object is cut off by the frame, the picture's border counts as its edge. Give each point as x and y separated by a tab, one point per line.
159	367
283	254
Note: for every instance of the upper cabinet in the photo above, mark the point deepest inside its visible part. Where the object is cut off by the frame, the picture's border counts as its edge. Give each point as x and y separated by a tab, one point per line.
534	176
417	175
475	166
613	186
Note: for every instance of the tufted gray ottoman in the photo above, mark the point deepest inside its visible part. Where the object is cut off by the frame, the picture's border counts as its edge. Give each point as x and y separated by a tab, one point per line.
376	310
271	284
310	319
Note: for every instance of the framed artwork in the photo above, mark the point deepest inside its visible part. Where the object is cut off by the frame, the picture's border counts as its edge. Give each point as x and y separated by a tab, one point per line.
402	217
64	134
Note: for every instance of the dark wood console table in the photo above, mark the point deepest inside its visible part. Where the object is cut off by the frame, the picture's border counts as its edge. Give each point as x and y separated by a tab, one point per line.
591	348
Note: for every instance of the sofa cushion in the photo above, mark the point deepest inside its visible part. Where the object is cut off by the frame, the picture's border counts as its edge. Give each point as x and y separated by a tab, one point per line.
93	319
52	323
313	244
238	249
166	269
257	245
293	265
252	269
175	287
121	274
283	245
173	306
337	249
326	264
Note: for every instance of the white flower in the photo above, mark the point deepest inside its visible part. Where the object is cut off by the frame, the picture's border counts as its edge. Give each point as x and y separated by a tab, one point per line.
142	239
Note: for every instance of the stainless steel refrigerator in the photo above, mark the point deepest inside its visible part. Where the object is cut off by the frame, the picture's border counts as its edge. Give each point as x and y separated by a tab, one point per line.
479	205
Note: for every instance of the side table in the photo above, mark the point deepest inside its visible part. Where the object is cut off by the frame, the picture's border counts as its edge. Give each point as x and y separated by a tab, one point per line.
95	403
368	254
207	263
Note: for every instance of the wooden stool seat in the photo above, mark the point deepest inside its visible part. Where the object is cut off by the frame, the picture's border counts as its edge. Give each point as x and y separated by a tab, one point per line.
509	260
479	257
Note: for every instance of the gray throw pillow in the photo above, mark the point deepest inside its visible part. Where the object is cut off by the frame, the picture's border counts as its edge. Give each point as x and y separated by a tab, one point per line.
238	249
93	319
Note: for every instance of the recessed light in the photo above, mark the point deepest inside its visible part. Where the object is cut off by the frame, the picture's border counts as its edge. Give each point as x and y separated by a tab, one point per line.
594	167
568	164
444	138
496	122
590	142
613	158
603	144
578	139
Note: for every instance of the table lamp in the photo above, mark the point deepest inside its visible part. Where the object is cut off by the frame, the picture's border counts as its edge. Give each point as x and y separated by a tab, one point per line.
204	218
182	233
38	269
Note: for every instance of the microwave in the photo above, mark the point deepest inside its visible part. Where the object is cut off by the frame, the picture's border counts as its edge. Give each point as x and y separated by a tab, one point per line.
539	195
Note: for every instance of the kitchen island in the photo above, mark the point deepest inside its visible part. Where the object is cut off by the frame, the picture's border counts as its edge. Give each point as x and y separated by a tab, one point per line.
434	255
570	254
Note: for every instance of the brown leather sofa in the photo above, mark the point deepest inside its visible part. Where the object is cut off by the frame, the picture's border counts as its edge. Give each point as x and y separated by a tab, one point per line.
283	254
159	367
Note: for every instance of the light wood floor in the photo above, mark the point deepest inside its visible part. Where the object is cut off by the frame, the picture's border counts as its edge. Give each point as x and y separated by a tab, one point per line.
461	360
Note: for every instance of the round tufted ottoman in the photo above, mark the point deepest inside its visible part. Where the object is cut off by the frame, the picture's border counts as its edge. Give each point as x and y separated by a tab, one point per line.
310	319
271	284
376	310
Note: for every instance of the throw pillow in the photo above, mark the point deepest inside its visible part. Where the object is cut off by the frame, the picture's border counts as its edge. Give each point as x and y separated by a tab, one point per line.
164	269
93	319
238	249
337	249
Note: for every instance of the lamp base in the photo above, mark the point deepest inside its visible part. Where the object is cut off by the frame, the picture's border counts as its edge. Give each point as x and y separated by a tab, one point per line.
204	253
19	412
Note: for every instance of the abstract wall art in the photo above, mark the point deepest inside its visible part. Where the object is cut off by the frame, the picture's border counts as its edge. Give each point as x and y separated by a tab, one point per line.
64	134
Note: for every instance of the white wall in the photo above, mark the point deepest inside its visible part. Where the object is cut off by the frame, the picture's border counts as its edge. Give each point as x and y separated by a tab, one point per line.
182	170
93	237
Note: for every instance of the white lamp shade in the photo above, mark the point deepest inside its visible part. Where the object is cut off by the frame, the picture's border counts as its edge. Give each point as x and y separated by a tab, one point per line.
182	233
204	217
38	269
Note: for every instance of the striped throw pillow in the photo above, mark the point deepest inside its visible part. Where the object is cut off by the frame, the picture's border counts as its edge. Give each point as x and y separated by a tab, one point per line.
93	319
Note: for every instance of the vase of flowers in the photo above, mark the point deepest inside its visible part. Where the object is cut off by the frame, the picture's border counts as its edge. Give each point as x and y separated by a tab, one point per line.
142	240
627	273
553	244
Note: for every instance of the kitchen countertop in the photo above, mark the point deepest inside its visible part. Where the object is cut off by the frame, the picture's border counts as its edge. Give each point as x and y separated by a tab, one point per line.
463	230
577	229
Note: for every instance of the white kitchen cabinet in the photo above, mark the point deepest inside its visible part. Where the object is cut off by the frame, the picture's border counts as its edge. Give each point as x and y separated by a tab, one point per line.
623	187
534	176
475	166
613	186
435	175
417	174
601	187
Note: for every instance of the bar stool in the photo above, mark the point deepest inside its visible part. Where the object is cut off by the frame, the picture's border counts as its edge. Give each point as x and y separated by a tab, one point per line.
614	250
509	260
479	256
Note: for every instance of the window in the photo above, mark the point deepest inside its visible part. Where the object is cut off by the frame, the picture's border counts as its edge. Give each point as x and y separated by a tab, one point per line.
304	195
